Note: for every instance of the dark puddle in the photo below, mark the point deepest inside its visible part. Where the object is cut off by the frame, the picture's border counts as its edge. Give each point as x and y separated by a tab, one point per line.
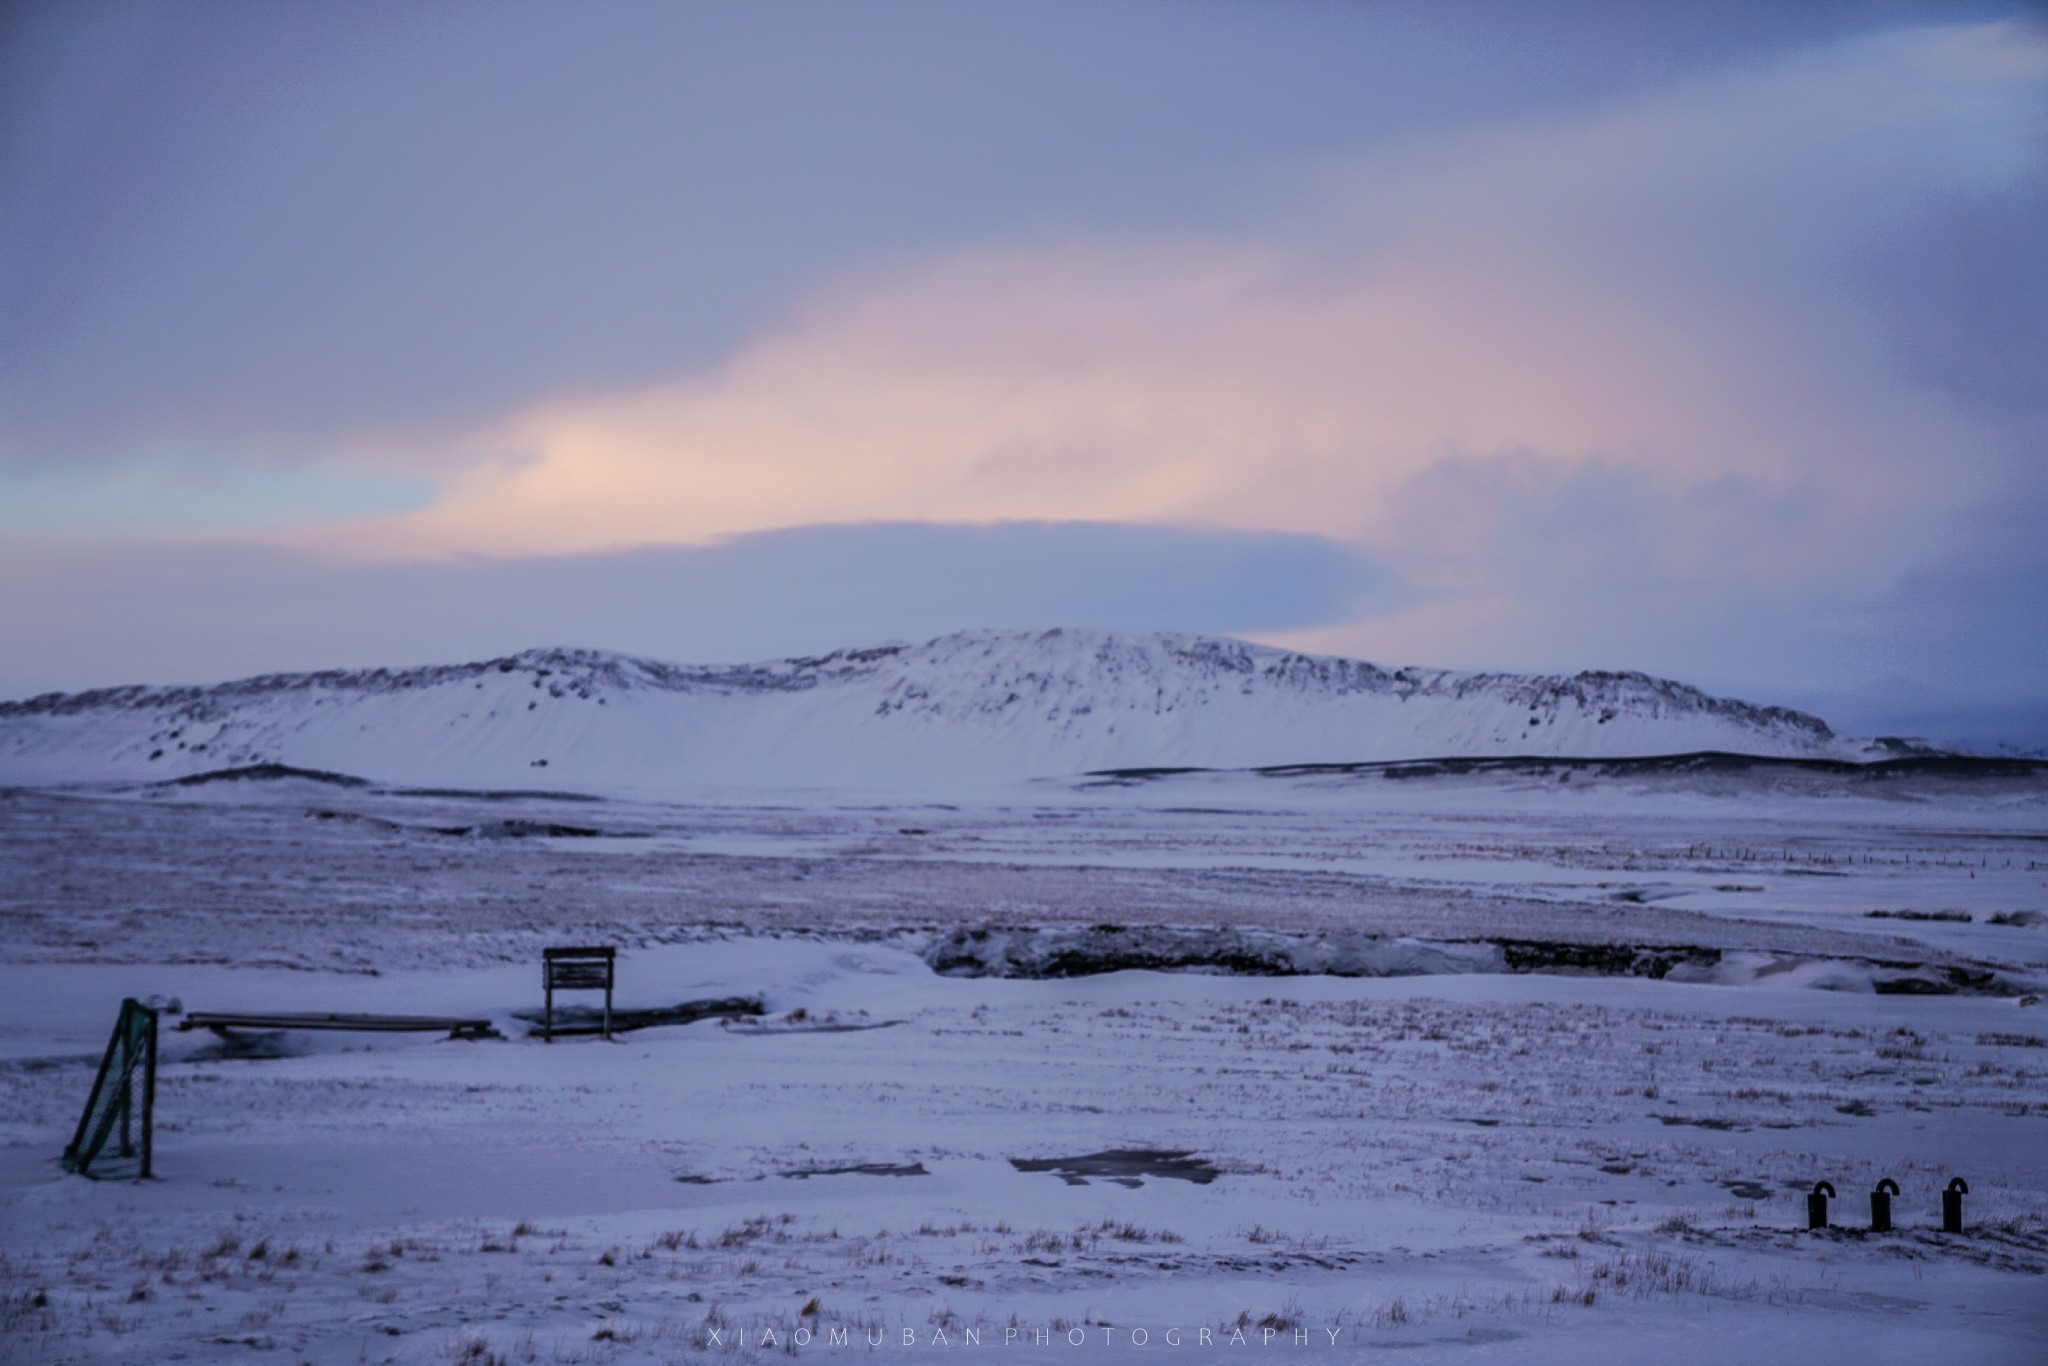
1123	1166
1747	1190
862	1169
484	830
49	1064
1725	1125
519	830
750	1029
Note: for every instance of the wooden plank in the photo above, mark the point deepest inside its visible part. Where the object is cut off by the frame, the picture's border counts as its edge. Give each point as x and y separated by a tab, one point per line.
393	1024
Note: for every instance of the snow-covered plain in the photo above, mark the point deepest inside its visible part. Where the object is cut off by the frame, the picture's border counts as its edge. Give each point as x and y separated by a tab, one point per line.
1539	1064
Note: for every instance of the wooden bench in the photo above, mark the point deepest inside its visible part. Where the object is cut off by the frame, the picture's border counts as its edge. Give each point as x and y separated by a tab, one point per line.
580	968
220	1023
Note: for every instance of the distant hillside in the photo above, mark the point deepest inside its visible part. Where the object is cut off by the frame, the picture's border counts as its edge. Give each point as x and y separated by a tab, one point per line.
979	707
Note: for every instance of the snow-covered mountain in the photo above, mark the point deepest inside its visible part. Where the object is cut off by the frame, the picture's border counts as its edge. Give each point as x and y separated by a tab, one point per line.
977	707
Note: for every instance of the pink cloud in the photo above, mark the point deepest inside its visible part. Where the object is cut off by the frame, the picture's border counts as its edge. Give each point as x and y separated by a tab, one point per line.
1613	287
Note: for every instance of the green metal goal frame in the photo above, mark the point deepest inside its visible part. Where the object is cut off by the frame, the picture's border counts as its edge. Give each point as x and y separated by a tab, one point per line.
129	1066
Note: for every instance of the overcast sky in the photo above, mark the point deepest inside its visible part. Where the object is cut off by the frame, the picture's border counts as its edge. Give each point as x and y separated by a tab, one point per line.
1709	340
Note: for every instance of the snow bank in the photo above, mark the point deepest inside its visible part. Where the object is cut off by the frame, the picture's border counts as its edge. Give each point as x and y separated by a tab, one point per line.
1031	952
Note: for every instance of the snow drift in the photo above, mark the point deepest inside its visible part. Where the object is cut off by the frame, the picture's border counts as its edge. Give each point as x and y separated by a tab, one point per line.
980	708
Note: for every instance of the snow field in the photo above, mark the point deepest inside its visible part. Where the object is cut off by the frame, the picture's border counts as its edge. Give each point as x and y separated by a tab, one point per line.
1439	1163
1462	1166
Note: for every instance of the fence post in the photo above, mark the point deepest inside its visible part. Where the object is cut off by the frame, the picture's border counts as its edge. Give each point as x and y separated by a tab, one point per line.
1817	1205
1881	1205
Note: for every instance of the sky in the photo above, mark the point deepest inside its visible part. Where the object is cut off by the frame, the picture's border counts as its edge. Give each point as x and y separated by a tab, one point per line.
1709	340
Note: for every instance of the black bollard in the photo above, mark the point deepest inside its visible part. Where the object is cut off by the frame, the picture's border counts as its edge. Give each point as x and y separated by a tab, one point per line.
1952	1205
1881	1205
1817	1205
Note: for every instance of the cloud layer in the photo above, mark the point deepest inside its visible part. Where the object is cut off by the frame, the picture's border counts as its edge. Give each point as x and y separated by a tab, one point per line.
1668	286
1620	389
248	229
1709	348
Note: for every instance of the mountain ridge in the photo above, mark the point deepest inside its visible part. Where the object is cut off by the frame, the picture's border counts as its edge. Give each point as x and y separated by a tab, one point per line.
998	704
